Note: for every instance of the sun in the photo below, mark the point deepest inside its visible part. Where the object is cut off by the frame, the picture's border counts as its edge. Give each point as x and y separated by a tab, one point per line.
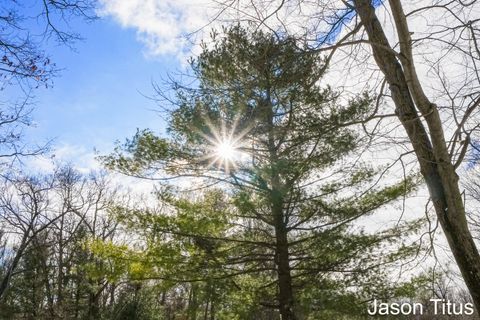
226	150
225	153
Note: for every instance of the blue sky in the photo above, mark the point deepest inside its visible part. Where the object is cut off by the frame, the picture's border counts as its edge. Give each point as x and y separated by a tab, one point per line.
97	97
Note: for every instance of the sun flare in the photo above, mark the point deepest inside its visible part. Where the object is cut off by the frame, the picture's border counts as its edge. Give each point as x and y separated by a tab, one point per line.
226	150
225	153
225	146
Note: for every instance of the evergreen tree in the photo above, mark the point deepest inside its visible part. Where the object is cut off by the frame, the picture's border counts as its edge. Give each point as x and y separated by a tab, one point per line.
260	123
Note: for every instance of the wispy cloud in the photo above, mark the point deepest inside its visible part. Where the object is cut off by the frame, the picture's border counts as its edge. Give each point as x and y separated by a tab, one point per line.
165	26
79	157
162	25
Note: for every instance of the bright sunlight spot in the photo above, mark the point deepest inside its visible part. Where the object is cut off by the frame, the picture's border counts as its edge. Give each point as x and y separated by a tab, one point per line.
226	150
225	146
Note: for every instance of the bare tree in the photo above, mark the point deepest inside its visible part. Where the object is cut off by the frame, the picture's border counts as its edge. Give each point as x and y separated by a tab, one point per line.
25	28
472	201
47	221
22	59
420	117
14	119
24	212
437	109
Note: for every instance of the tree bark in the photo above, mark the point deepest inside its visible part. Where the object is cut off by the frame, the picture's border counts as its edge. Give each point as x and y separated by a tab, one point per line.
60	274
282	258
430	147
192	303
285	292
4	284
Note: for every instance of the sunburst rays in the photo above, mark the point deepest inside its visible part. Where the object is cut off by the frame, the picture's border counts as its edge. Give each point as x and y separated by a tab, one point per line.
226	146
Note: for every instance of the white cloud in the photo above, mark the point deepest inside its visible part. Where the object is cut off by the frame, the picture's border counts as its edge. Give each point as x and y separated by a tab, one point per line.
172	26
84	161
40	164
79	157
161	24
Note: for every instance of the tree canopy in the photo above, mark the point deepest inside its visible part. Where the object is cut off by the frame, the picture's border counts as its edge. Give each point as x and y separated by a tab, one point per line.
259	123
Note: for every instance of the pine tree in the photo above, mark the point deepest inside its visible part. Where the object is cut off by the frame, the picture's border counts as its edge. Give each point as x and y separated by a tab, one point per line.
260	123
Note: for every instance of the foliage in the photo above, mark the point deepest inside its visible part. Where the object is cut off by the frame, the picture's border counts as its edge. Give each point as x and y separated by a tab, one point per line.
284	227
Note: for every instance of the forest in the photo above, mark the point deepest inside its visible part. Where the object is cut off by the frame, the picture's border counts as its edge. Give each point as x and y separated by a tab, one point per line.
318	160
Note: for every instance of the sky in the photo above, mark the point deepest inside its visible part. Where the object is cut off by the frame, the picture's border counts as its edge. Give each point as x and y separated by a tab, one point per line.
99	95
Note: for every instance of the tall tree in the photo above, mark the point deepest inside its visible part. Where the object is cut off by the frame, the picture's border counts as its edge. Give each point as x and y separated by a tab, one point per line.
24	212
47	271
421	119
260	122
439	116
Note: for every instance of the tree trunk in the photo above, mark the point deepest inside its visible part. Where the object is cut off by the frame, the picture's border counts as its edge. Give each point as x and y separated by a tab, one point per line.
285	292
112	296
60	274
430	148
13	265
282	258
212	310
205	314
93	303
192	303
